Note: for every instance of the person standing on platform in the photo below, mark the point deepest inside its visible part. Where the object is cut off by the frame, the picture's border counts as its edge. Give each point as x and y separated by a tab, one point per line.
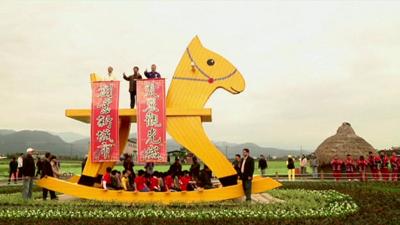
362	168
153	73
20	165
262	165
246	172
28	171
47	171
110	76
395	163
291	168
336	164
132	84
350	167
12	168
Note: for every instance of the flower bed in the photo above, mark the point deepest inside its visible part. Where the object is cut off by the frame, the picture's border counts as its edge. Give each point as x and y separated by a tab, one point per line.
298	204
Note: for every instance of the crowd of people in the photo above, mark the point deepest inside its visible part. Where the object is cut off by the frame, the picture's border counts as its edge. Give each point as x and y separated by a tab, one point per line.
148	179
176	179
375	166
381	167
25	168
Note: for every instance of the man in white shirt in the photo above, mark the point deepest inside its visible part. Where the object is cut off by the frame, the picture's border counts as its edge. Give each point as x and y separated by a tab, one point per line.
110	76
20	165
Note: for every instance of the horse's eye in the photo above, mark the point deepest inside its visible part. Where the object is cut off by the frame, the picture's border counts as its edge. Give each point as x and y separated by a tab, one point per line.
210	62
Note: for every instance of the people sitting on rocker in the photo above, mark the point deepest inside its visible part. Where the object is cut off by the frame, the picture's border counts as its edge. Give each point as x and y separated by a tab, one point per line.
153	73
106	179
205	178
140	182
126	185
116	180
154	181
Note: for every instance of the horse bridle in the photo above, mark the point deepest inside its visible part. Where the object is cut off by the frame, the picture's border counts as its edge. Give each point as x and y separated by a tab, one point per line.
208	78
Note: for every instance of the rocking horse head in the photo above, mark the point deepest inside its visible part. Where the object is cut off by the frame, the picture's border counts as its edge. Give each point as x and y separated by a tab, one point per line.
199	73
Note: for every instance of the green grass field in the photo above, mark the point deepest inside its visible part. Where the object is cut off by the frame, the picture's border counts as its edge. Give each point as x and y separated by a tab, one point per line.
74	167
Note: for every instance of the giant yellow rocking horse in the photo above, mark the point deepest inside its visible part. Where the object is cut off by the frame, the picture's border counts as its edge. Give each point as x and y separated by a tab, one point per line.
199	73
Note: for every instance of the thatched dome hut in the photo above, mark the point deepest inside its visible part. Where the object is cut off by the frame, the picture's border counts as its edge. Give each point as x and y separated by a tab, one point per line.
344	142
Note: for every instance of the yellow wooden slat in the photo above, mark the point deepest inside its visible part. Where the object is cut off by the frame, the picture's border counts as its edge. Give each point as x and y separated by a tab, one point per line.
216	194
83	115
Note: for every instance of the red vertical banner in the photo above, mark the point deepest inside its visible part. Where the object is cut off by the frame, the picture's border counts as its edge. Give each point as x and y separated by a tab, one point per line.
104	121
151	121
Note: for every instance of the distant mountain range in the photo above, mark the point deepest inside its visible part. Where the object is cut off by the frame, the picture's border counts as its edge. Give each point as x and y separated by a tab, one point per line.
69	136
72	144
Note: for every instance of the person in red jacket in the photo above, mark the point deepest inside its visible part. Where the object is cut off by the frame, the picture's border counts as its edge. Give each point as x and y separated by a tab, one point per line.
362	168
169	182
336	167
154	182
106	179
140	182
395	163
384	166
350	167
374	162
185	180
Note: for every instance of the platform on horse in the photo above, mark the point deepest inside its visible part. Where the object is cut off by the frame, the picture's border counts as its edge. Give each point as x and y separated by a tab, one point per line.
83	115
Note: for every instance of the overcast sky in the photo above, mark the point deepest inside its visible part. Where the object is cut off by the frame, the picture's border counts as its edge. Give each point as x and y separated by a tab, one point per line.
308	66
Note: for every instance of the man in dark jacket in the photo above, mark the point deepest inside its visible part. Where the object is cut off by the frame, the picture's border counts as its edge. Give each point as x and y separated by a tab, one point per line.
195	168
236	164
204	180
28	171
262	165
153	73
38	167
132	84
246	172
47	171
176	168
13	167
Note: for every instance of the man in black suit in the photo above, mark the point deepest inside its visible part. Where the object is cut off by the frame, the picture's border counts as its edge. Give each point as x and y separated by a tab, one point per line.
47	171
246	172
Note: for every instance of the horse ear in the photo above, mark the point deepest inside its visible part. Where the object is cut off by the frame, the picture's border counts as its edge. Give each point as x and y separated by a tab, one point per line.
195	42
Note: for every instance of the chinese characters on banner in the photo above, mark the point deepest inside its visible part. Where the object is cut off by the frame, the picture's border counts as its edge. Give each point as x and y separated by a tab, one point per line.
104	120
151	120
